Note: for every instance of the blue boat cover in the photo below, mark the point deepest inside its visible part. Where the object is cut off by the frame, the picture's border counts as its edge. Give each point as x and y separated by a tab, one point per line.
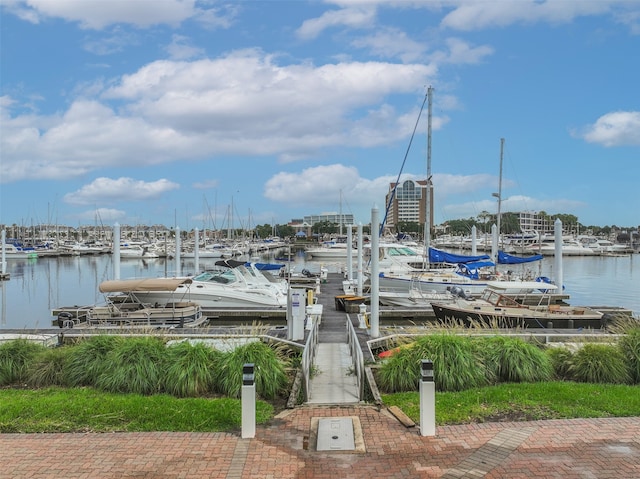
504	258
439	256
472	270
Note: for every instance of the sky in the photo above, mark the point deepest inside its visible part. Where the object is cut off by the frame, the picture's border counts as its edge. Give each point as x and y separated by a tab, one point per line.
218	114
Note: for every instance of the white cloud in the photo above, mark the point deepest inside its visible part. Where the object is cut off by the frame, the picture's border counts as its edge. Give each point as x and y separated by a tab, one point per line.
205	184
170	111
107	190
104	215
620	128
353	16
461	52
474	15
391	43
97	15
181	48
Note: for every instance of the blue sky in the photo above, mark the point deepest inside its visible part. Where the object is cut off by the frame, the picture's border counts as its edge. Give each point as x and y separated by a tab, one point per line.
209	113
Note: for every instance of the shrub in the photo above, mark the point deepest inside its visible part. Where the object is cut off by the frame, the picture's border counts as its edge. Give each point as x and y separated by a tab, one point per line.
599	363
561	358
136	365
270	375
512	359
191	369
630	347
15	357
456	364
86	360
48	368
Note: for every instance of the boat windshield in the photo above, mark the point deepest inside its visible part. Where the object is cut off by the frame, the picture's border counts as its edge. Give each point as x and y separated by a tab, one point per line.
222	277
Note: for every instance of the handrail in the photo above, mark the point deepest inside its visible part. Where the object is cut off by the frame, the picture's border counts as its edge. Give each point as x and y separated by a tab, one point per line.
309	357
356	356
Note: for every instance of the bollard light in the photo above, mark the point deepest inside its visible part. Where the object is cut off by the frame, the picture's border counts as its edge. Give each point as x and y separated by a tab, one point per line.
426	369
248	375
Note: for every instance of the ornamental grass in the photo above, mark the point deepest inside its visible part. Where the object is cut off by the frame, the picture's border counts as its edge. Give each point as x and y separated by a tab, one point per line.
86	360
48	368
511	359
15	357
271	379
191	369
136	365
600	363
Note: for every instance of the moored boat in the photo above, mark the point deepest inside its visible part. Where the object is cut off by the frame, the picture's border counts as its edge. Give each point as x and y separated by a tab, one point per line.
505	304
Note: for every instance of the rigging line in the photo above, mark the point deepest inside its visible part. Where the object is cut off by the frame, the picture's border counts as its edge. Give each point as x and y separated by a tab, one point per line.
393	192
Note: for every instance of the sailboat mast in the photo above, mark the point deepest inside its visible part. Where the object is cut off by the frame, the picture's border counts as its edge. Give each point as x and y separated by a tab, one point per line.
428	206
500	191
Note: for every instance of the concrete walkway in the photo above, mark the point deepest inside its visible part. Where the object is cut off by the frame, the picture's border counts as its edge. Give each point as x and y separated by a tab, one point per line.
333	381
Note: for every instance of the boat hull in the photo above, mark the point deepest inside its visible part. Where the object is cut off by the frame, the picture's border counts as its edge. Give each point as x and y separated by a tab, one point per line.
508	318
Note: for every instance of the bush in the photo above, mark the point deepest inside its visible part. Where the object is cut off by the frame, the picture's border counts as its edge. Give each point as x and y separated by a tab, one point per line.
191	369
512	359
457	365
560	358
48	368
15	357
270	376
136	365
630	347
599	363
86	360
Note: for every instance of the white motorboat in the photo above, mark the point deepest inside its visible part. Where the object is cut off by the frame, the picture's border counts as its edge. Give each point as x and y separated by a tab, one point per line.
230	285
12	251
331	250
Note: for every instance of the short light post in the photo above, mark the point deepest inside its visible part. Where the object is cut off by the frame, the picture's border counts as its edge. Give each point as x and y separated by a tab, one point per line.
427	399
248	401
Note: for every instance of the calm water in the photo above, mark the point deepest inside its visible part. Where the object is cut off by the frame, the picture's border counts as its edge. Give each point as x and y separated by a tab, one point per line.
38	286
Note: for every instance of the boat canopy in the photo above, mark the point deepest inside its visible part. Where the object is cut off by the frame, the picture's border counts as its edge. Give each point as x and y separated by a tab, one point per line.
143	284
472	270
439	256
504	258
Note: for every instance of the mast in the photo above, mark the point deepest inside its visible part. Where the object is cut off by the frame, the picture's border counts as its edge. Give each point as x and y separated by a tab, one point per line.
499	195
428	206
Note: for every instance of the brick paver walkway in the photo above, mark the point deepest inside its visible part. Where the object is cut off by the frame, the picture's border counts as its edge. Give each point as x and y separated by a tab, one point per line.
567	449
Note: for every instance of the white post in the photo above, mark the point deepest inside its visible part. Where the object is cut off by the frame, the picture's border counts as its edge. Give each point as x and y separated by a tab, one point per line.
296	312
494	243
196	250
178	248
474	245
350	254
557	260
360	256
4	258
375	271
248	401
427	399
116	251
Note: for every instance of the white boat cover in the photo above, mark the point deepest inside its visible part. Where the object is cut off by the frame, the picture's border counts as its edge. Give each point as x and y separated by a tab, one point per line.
143	284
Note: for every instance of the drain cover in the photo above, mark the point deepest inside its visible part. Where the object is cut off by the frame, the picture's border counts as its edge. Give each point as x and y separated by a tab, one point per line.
335	434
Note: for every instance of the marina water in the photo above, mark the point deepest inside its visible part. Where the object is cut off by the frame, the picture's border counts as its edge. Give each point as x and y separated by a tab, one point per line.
37	286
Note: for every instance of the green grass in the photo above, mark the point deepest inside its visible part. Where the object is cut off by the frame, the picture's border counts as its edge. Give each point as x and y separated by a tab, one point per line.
89	410
525	401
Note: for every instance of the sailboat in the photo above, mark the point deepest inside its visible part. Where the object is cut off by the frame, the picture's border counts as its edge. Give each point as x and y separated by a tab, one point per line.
442	271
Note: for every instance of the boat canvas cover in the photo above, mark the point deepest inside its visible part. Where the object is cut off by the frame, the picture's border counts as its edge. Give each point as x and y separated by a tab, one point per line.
504	258
439	256
519	285
144	284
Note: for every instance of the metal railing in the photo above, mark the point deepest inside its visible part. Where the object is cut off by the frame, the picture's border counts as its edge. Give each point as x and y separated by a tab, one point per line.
356	357
309	358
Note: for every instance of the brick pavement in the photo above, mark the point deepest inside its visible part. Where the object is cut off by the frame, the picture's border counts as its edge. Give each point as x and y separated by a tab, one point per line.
567	449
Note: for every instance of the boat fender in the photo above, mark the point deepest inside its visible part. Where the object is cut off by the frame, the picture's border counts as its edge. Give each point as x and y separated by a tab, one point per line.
64	319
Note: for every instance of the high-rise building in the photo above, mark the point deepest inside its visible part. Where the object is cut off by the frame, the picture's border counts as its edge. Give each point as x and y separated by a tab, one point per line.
407	202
